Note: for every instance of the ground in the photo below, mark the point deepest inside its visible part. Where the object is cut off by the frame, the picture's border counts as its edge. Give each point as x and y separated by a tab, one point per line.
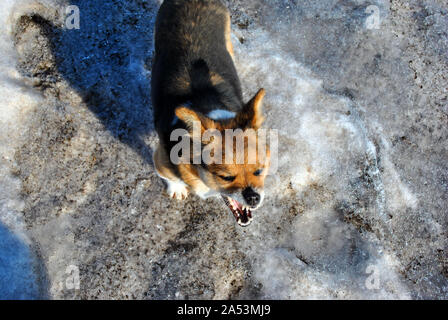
358	205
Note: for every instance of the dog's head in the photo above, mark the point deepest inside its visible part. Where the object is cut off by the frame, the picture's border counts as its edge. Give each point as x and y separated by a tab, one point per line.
235	158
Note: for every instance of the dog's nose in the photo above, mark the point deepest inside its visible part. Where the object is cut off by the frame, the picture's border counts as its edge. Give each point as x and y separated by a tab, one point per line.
251	197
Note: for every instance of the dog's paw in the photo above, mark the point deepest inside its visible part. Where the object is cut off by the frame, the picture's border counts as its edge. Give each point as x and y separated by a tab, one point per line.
177	190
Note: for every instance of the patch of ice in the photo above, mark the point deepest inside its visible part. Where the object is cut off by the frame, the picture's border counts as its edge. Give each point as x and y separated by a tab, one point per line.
18	279
324	144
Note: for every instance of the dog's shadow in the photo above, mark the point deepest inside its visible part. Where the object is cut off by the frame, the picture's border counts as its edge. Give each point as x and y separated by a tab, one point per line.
106	61
22	271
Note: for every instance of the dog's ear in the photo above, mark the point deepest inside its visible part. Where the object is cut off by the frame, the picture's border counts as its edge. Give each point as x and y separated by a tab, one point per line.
252	114
194	119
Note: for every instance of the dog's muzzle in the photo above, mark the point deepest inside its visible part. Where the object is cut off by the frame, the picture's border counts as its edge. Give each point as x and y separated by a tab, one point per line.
242	214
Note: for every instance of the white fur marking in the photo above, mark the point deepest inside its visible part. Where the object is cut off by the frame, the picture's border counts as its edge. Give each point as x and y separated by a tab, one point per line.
219	114
177	189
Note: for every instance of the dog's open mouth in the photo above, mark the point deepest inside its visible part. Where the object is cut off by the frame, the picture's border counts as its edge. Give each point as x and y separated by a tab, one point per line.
243	214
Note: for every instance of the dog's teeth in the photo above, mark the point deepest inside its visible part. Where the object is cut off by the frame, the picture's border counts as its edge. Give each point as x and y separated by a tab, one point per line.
243	224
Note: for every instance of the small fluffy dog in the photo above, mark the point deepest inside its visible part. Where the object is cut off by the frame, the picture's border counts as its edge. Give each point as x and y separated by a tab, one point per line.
194	82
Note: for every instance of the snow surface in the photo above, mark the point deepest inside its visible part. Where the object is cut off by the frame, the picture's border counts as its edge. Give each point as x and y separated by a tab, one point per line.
18	279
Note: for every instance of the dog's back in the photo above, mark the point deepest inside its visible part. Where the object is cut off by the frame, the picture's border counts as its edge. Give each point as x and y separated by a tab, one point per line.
193	62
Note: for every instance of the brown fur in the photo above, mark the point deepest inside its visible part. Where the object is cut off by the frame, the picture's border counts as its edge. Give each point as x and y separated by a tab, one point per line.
228	33
189	175
215	79
163	164
244	173
250	117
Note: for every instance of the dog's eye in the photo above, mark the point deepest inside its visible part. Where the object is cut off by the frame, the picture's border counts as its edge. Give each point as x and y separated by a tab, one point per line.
258	172
228	178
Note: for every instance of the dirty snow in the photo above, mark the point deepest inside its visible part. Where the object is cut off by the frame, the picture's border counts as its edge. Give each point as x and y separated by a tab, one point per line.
356	210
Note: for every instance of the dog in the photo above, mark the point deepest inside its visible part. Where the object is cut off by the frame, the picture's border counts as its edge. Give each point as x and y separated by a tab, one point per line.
194	81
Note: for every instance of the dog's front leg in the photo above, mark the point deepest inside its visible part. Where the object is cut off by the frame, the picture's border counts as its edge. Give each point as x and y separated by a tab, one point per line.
176	188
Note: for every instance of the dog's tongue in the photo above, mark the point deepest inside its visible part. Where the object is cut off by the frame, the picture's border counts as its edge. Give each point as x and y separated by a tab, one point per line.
242	216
